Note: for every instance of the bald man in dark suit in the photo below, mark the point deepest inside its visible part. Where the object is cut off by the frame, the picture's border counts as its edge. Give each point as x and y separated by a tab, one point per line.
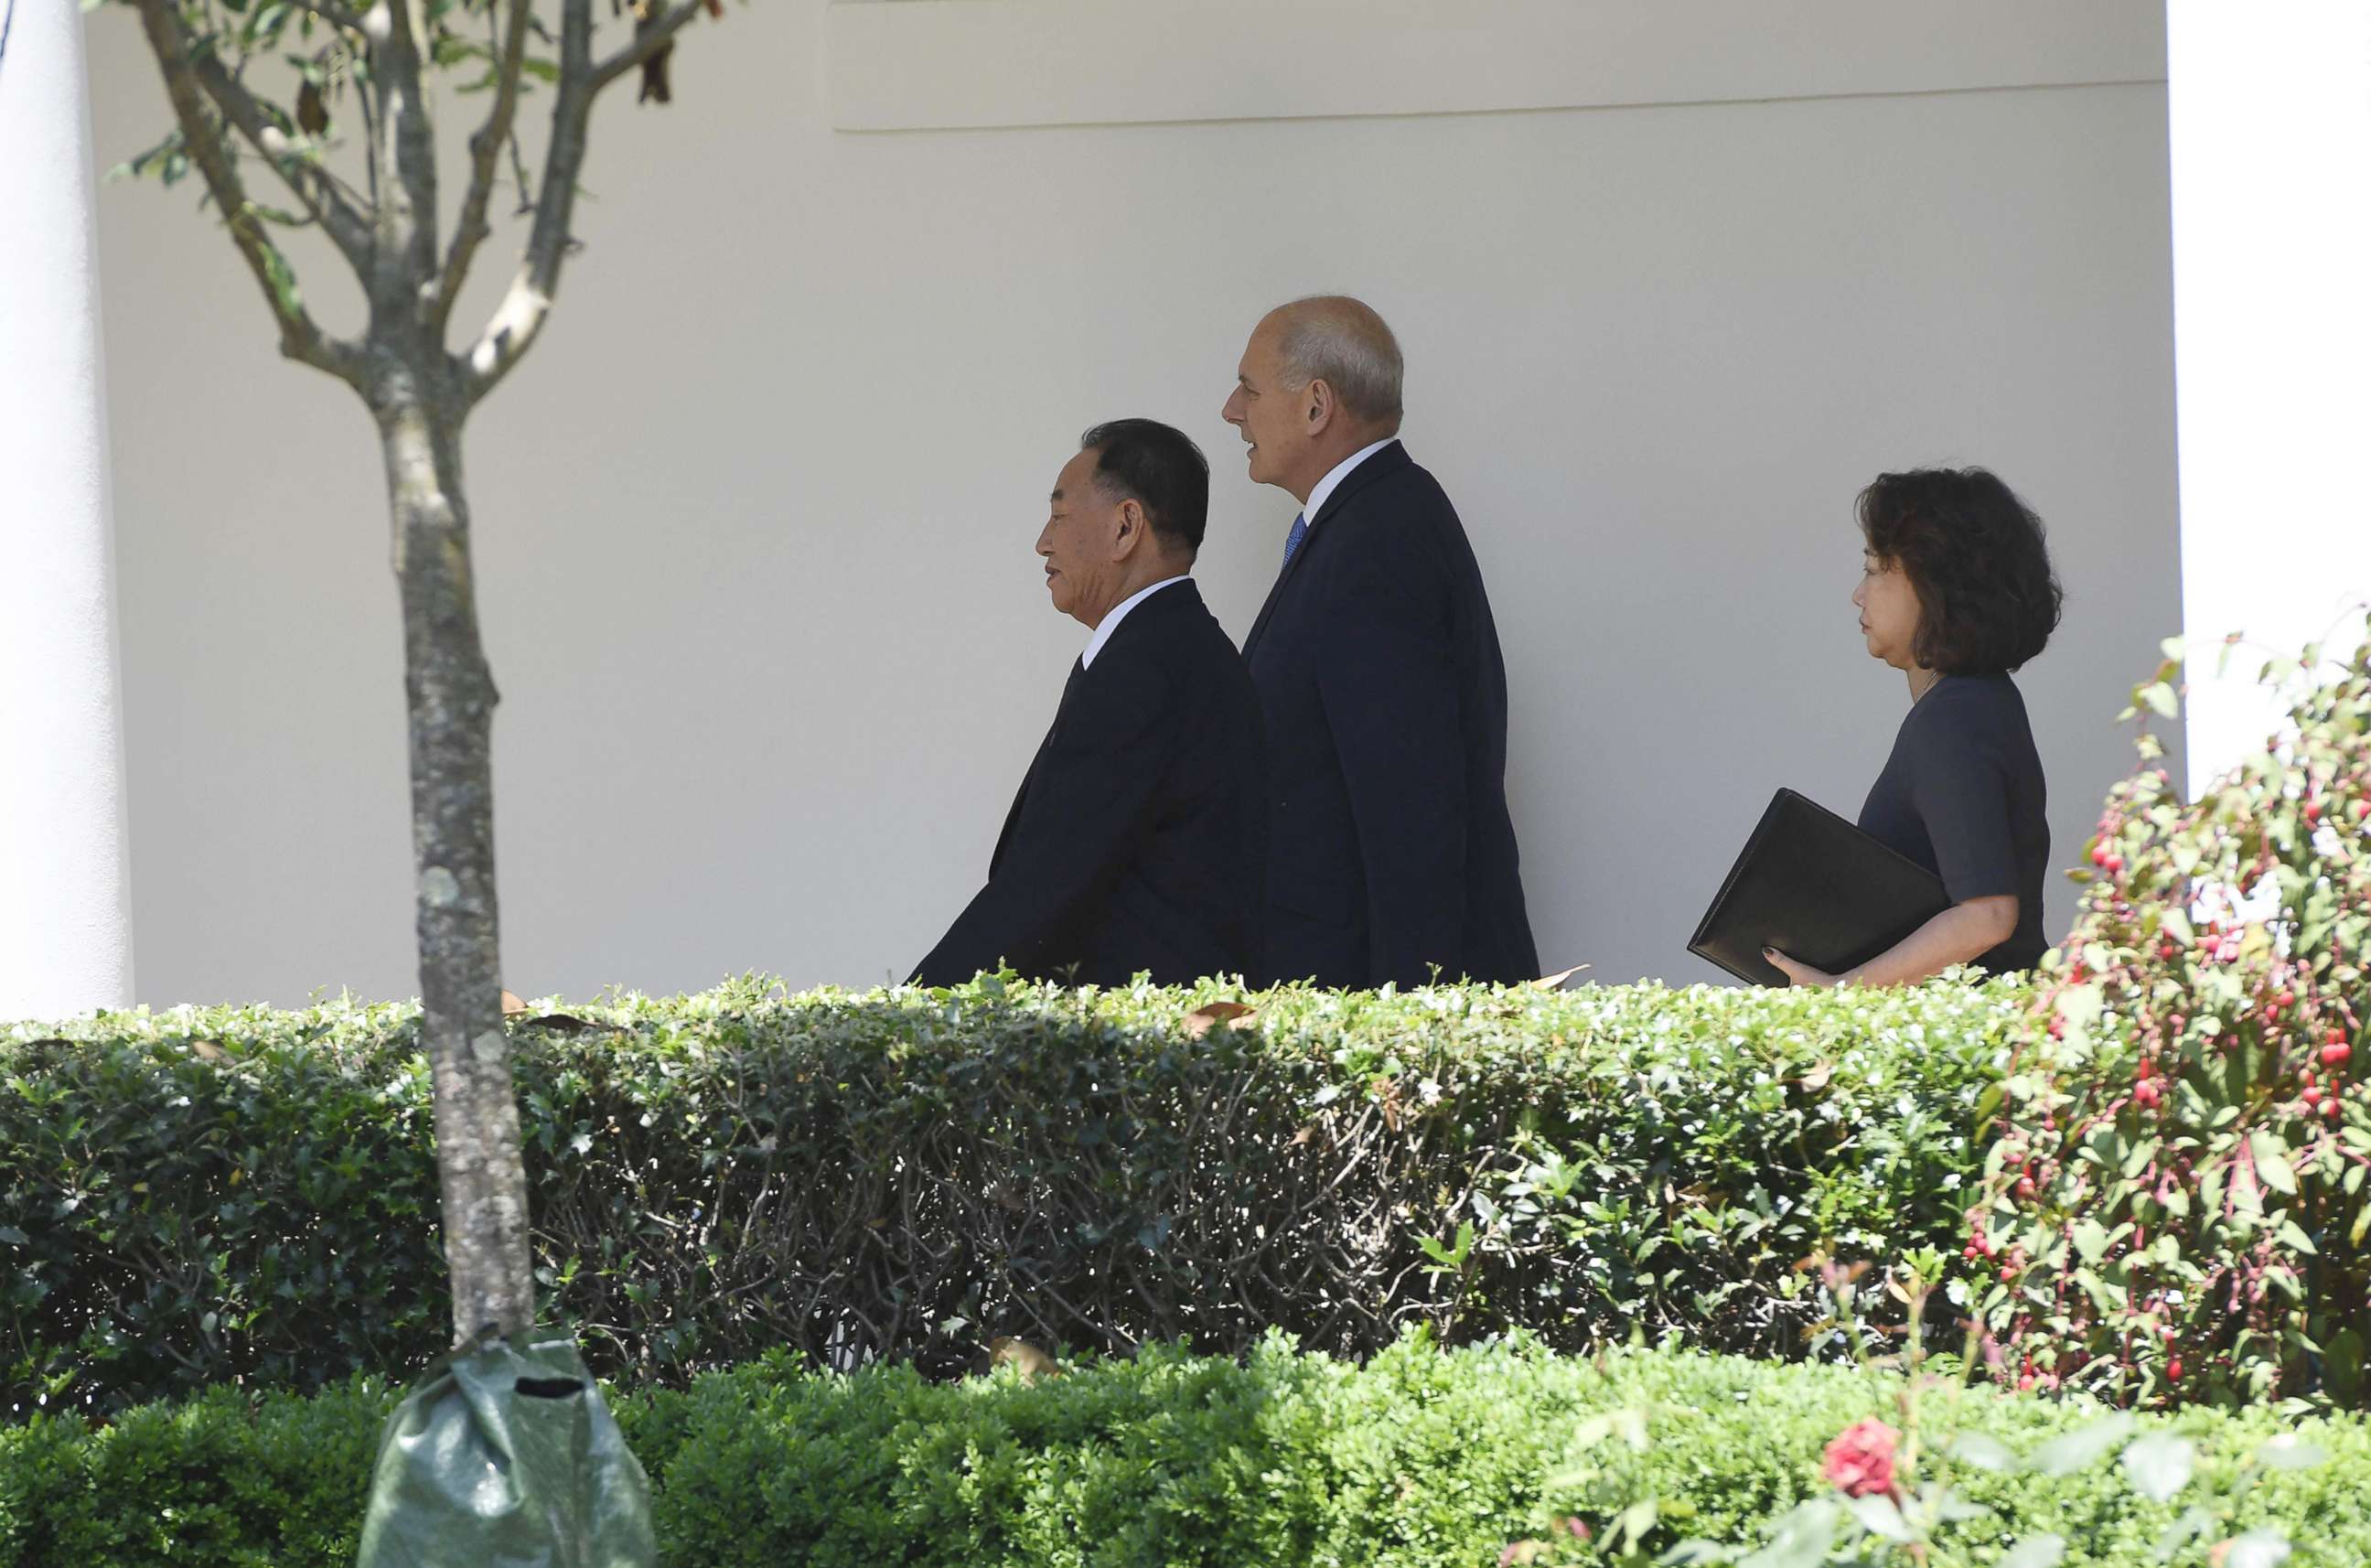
1391	851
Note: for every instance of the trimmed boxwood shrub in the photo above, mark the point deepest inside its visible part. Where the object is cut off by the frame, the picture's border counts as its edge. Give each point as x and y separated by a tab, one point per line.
1421	1458
196	1196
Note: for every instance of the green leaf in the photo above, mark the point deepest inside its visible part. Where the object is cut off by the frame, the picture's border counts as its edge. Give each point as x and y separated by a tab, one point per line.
1988	1104
1803	1540
2035	1551
2290	1452
1449	1256
1693	1555
2258	1548
1635	1521
2081	1005
1941	1502
155	159
2160	1464
1879	1515
2084	1446
2272	1168
1982	1450
2159	698
2106	1296
2090	1238
2343	1364
2194	1524
15	1238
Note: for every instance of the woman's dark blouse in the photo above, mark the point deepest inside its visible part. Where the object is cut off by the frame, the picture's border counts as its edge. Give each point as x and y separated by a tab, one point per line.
1962	796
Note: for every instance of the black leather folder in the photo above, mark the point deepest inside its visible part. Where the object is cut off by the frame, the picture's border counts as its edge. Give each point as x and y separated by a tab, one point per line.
1817	889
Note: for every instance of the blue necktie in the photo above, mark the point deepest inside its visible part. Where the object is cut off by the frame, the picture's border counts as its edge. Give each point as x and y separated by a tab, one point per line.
1292	540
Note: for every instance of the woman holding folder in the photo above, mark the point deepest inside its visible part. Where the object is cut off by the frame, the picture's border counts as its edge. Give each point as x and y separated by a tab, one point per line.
1957	591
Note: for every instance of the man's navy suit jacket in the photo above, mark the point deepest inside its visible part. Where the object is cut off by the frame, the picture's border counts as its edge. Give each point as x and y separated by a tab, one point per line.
1139	838
1390	847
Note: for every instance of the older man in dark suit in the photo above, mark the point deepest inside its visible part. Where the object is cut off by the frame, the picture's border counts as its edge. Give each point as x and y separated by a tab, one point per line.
1391	853
1138	841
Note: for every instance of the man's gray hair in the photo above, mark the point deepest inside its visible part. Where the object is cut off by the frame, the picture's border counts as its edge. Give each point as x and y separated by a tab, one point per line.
1341	341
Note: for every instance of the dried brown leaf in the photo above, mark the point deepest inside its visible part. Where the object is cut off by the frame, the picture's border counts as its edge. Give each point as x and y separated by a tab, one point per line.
1033	1362
1210	1015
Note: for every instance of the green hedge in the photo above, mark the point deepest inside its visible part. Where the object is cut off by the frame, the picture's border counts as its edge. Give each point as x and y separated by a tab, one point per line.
196	1197
1418	1458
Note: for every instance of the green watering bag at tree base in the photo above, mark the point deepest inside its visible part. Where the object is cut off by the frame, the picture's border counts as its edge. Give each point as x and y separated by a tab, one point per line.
506	1457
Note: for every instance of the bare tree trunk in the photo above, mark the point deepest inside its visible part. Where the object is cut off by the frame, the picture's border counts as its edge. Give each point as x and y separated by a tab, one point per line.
452	698
419	395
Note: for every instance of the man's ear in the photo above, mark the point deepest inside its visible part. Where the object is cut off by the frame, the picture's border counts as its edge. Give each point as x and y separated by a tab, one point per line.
1133	528
1319	406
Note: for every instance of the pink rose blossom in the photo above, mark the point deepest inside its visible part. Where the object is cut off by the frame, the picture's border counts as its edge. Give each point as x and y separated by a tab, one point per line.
1860	1460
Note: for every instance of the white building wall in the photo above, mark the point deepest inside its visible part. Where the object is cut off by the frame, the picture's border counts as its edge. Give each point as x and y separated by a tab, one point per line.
753	522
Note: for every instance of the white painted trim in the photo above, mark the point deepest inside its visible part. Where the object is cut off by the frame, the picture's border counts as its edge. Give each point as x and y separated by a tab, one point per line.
937	65
65	893
2270	117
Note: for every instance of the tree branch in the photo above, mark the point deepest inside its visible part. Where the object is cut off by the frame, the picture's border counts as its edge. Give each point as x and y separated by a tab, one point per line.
300	339
404	277
370	141
647	41
519	318
485	154
519	177
310	182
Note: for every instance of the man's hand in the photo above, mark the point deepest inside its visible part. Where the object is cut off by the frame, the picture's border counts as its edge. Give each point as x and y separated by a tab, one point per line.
1801	974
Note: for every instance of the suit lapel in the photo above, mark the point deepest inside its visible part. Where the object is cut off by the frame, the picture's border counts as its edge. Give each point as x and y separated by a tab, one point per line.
1276	592
1389	459
1171	600
1013	815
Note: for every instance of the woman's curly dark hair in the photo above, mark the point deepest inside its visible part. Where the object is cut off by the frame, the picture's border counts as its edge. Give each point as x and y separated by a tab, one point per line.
1976	556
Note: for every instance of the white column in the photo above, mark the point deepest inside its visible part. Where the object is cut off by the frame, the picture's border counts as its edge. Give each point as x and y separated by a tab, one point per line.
2270	106
65	916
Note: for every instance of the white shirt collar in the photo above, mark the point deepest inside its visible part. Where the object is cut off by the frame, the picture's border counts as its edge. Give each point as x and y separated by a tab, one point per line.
1111	622
1335	477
